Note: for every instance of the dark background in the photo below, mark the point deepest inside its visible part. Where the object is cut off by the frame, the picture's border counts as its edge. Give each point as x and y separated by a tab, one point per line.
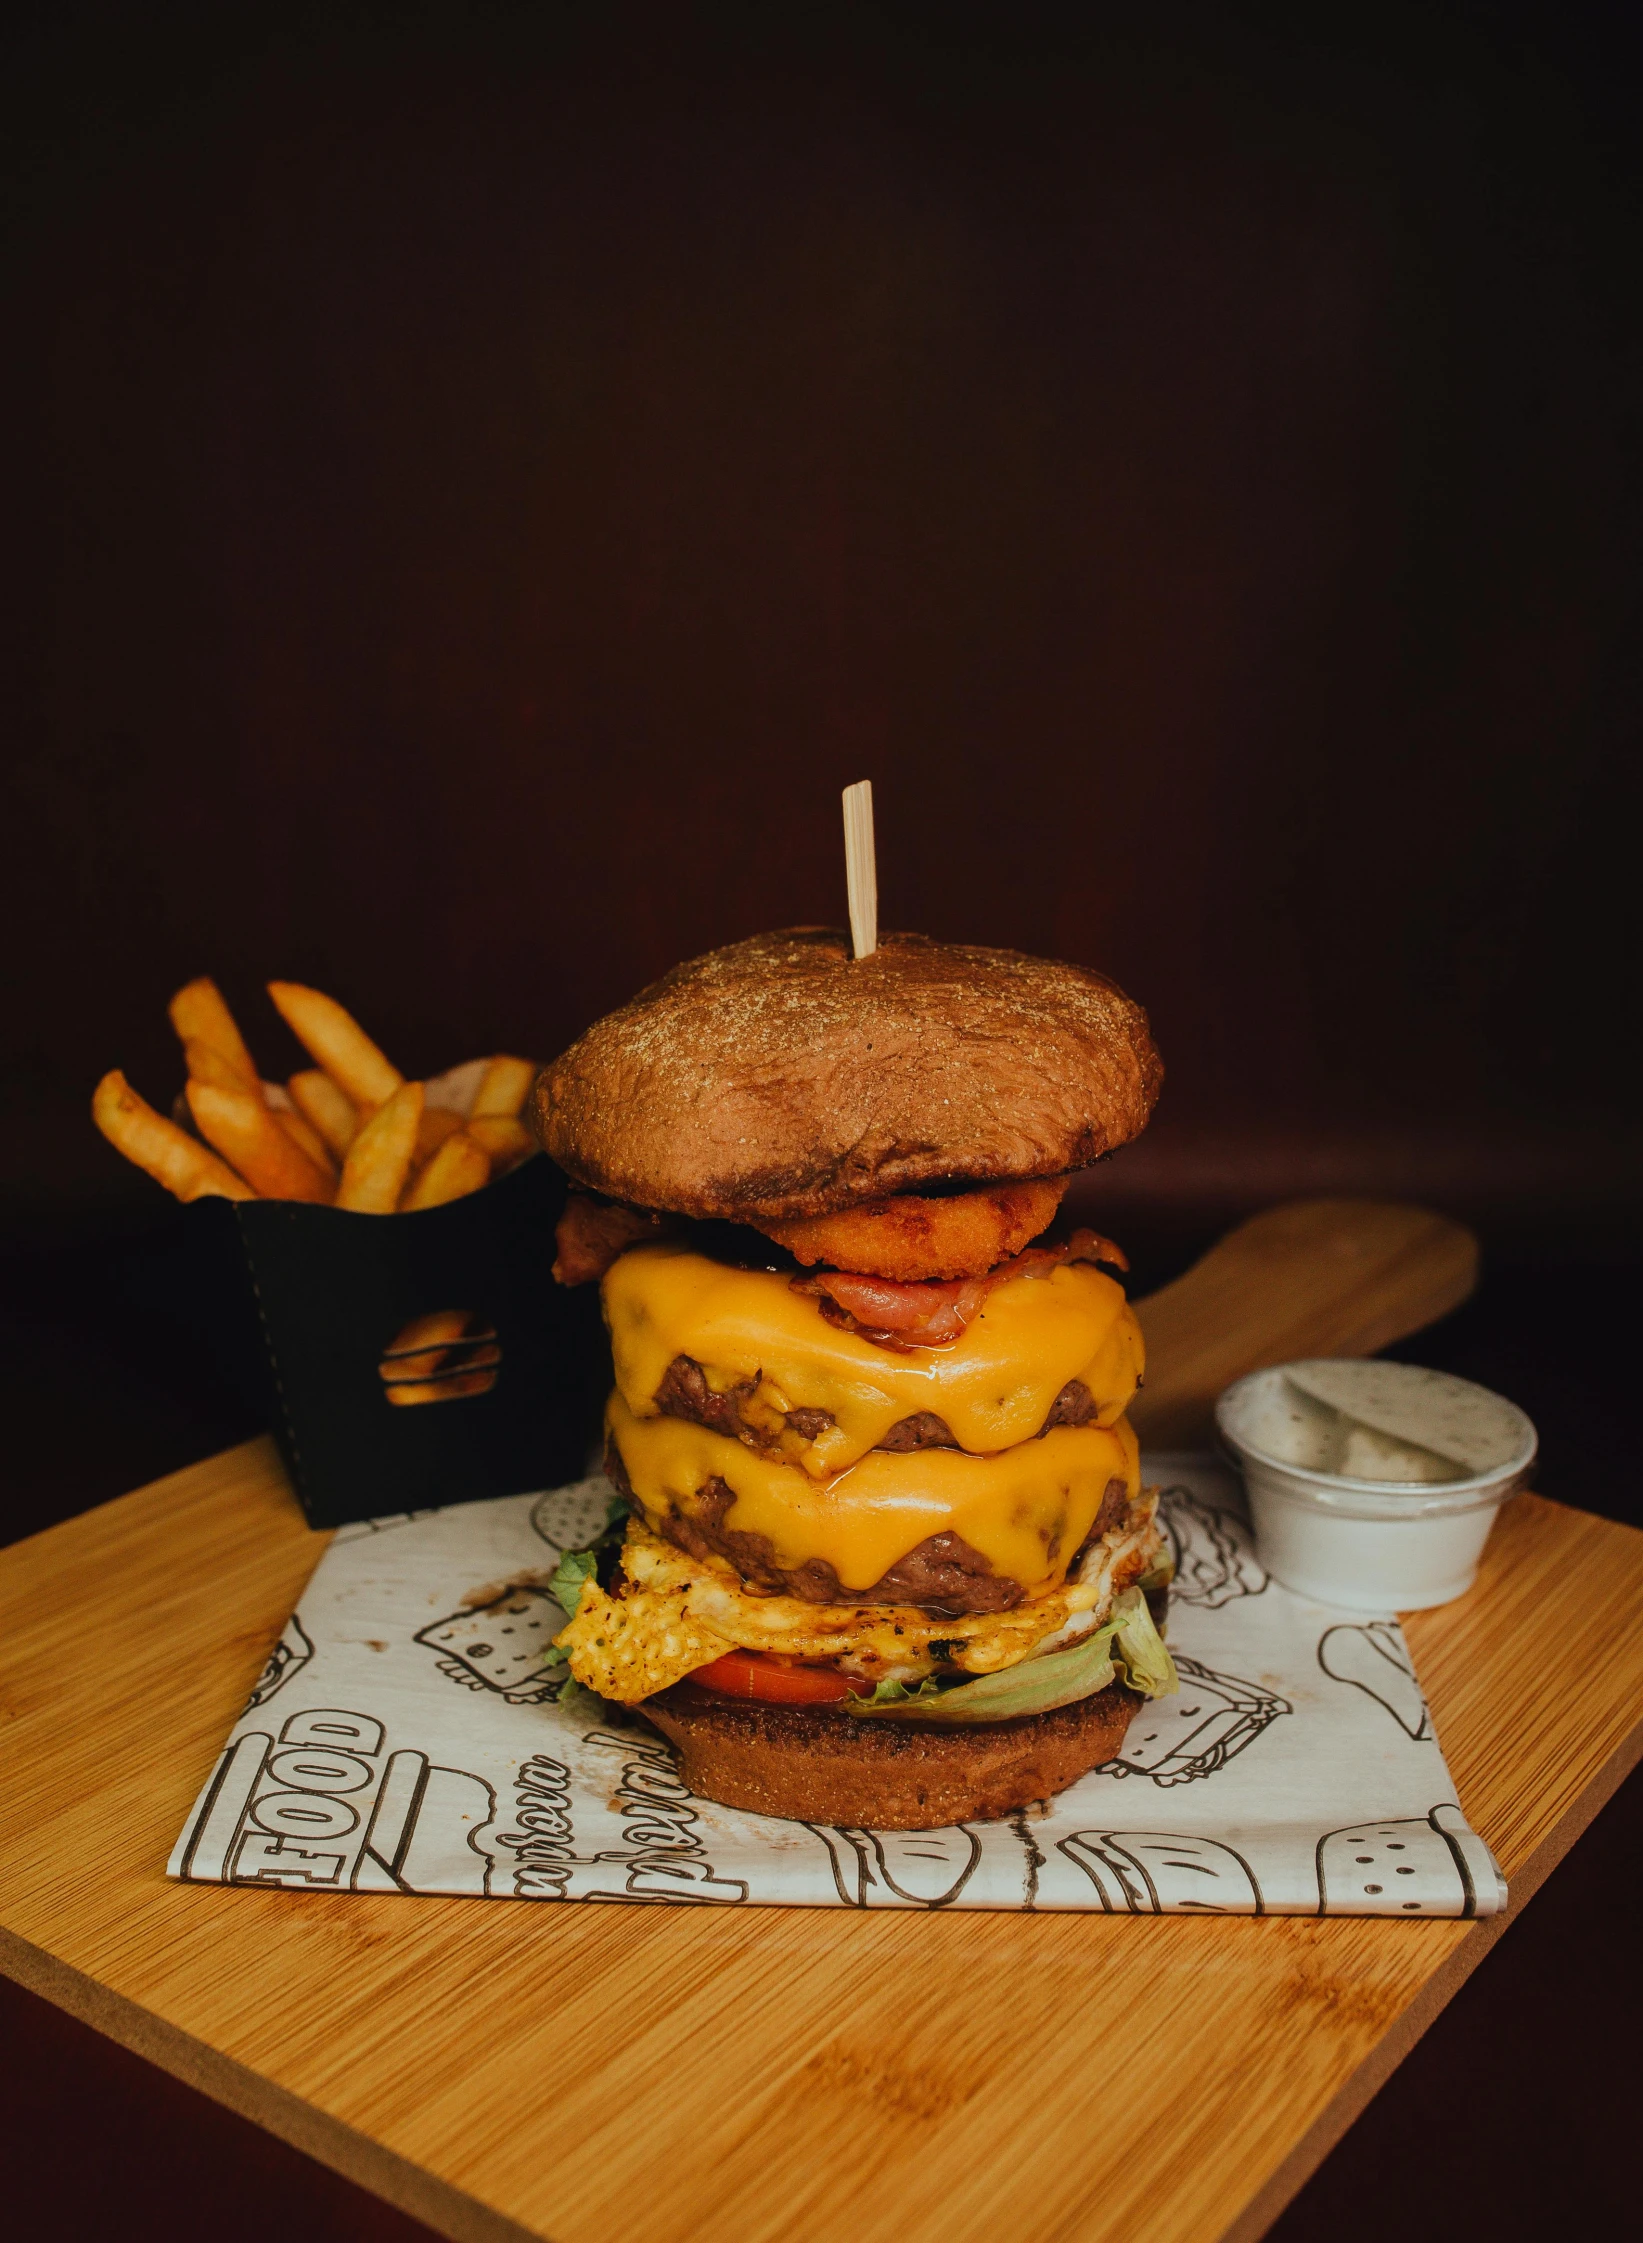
481	480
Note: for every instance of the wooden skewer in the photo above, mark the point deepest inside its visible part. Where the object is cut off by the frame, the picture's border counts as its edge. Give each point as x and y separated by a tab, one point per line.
860	868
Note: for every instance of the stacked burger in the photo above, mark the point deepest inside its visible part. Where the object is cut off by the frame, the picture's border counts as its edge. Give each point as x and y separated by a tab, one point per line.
886	1560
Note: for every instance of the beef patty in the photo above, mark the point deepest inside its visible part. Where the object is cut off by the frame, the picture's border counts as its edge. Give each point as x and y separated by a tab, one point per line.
684	1392
943	1574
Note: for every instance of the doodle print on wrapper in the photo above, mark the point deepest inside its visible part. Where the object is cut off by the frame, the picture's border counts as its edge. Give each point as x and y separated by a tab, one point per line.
1210	1720
656	1850
1154	1872
465	1777
499	1645
327	1806
1358	1869
361	1529
497	1642
1374	1658
1213	1549
933	1868
291	1653
299	1810
569	1518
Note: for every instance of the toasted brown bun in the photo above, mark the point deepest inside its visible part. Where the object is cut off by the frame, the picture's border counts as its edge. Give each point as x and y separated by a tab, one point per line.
812	1764
782	1077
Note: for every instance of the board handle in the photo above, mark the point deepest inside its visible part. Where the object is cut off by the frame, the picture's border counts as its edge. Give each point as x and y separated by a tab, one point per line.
1313	1277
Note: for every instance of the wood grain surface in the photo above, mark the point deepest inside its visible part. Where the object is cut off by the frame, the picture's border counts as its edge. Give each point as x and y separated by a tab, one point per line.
586	2073
1315	1277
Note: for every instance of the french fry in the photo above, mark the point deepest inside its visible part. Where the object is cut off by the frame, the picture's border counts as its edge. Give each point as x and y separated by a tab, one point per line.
437	1123
439	1345
335	1038
321	1101
411	1393
457	1168
307	1139
504	1085
421	1348
243	1130
379	1159
505	1139
200	1016
206	1064
352	1109
180	1162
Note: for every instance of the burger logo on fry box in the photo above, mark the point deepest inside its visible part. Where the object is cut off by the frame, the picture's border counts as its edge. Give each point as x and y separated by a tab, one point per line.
361	1327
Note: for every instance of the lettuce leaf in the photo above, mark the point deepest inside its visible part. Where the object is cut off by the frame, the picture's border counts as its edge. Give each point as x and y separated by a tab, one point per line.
1139	1650
575	1568
1127	1647
899	1694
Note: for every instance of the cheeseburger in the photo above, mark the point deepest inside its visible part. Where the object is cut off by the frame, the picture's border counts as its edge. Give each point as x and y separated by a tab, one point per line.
884	1558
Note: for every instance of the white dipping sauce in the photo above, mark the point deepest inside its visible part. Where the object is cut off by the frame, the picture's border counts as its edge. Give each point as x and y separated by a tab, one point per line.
1373	1485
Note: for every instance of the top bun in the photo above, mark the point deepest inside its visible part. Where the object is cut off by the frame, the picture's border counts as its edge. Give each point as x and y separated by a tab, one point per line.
782	1077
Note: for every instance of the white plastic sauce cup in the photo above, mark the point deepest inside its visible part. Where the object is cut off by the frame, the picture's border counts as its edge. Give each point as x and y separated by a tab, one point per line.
1393	1544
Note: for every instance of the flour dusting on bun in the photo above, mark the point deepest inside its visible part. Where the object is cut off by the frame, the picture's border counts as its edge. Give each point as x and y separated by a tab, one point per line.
782	1077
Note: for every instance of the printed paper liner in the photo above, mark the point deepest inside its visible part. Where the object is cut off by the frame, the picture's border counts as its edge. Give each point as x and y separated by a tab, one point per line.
403	1738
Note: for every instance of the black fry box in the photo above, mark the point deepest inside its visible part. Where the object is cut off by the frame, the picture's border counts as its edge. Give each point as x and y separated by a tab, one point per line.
326	1295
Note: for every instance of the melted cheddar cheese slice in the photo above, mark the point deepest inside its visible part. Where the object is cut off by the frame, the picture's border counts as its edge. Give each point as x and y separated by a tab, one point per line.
1026	1510
993	1386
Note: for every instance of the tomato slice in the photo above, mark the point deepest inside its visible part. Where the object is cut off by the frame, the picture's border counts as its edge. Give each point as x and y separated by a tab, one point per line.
749	1674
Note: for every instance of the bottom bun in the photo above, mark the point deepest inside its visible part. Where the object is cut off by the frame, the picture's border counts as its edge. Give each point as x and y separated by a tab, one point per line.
812	1764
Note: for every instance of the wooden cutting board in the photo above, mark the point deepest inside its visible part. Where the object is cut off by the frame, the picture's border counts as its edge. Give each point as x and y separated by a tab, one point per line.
504	2070
1317	1277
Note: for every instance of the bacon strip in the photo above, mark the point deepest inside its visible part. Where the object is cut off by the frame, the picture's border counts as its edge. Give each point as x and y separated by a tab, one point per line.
591	1233
935	1314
